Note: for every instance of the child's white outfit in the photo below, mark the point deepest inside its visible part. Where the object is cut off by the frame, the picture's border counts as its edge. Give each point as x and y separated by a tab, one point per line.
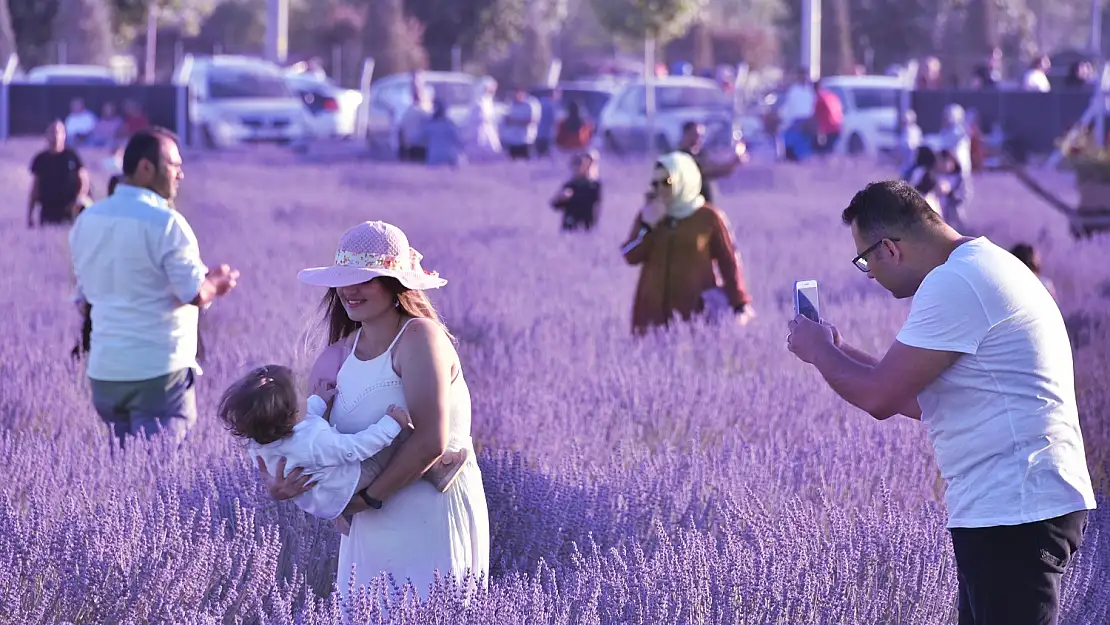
332	458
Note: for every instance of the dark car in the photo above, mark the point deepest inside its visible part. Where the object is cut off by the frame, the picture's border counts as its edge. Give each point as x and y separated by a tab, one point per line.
590	96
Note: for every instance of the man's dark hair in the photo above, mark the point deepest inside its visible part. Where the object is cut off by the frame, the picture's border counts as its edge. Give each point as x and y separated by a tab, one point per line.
145	145
890	206
690	125
262	405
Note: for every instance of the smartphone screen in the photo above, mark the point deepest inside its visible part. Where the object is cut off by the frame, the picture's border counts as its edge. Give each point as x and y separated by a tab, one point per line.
807	301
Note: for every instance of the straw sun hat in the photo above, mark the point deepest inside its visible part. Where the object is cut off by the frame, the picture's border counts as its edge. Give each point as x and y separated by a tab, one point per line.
370	250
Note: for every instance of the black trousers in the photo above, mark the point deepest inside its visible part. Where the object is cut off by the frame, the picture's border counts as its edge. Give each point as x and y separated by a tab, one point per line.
1010	574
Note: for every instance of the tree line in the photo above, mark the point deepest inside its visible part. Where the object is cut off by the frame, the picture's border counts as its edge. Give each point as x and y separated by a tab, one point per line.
516	39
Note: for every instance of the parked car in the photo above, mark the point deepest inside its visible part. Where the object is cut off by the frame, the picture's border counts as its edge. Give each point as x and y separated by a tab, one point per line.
333	109
71	75
391	96
244	99
870	112
623	123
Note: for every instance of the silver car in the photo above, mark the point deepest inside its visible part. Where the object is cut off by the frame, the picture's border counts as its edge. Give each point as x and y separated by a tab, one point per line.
391	96
245	100
623	124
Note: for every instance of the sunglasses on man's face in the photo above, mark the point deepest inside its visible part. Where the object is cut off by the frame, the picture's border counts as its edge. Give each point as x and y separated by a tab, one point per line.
861	261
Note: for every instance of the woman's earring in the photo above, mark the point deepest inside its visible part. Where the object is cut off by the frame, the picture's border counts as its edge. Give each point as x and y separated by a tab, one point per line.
396	302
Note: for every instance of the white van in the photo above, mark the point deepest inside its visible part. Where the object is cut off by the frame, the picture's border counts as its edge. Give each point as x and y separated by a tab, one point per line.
239	99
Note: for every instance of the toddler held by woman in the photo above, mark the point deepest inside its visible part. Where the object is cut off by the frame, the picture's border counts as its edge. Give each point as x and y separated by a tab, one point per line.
264	408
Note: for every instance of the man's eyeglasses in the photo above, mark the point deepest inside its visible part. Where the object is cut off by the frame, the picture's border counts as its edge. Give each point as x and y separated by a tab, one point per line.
861	261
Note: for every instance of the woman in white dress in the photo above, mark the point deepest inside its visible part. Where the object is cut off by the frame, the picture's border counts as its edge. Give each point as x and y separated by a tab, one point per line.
387	346
483	136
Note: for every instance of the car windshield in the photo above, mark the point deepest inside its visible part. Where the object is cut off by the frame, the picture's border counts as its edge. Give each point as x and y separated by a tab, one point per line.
452	92
229	83
591	101
875	98
75	79
673	97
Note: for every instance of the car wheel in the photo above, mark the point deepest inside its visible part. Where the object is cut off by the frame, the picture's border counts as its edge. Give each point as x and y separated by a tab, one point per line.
855	145
208	138
611	143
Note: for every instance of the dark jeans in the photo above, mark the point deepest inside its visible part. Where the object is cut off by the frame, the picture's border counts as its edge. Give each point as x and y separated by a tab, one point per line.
824	144
166	405
1010	574
413	154
521	152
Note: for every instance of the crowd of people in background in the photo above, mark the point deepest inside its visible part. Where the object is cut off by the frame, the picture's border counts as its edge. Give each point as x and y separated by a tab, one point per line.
990	74
531	128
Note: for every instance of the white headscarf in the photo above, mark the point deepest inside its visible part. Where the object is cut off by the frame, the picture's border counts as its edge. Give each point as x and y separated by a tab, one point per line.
686	180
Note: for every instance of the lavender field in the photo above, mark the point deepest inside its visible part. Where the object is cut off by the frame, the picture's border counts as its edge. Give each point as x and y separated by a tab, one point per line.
704	476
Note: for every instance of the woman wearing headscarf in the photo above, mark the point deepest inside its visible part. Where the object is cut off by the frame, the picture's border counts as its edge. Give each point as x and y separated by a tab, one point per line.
679	241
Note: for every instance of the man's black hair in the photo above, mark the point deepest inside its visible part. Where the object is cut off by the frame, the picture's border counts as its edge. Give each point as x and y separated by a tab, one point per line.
145	145
690	125
889	206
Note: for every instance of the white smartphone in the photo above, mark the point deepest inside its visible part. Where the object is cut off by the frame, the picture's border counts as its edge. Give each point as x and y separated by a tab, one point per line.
806	301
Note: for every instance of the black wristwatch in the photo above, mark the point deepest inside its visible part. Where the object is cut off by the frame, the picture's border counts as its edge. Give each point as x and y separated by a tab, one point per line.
370	501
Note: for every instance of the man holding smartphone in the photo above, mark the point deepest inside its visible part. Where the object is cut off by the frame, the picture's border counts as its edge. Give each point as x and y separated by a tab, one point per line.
984	361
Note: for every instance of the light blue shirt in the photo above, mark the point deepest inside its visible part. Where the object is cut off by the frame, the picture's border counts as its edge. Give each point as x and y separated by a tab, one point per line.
137	263
526	115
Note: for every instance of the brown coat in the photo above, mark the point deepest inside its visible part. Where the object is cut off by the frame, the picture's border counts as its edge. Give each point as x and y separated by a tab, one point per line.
678	260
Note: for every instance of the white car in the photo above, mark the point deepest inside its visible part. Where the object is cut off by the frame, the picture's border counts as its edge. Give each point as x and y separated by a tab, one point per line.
334	110
241	99
870	106
71	75
623	123
391	96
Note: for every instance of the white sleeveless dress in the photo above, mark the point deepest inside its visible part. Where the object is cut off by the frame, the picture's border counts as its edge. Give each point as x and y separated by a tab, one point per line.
419	529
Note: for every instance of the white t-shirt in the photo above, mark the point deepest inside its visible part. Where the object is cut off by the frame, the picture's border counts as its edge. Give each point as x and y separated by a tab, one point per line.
1035	80
1003	419
331	457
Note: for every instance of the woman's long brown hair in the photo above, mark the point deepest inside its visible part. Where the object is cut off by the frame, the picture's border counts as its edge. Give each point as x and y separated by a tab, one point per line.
411	302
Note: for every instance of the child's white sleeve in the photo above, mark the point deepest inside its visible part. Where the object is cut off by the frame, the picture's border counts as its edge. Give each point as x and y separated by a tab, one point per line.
331	448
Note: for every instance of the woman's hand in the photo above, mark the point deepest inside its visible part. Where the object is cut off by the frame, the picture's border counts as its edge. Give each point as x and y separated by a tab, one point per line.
653	212
282	488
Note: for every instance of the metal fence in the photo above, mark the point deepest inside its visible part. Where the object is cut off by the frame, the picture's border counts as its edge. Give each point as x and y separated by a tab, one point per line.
1032	122
26	109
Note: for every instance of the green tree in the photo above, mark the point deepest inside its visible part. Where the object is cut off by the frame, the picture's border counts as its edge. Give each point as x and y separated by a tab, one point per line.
34	21
393	39
7	35
480	28
85	27
634	21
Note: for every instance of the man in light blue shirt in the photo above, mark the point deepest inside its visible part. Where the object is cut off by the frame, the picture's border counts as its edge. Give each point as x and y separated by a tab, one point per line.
138	266
521	125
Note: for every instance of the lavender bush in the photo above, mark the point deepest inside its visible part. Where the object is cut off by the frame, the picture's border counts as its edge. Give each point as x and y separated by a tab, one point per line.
698	476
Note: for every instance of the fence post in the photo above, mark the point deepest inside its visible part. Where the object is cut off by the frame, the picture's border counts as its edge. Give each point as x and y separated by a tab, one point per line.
6	95
363	118
181	81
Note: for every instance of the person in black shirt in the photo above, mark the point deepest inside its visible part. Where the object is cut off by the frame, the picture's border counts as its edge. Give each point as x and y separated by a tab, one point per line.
580	196
60	180
693	138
